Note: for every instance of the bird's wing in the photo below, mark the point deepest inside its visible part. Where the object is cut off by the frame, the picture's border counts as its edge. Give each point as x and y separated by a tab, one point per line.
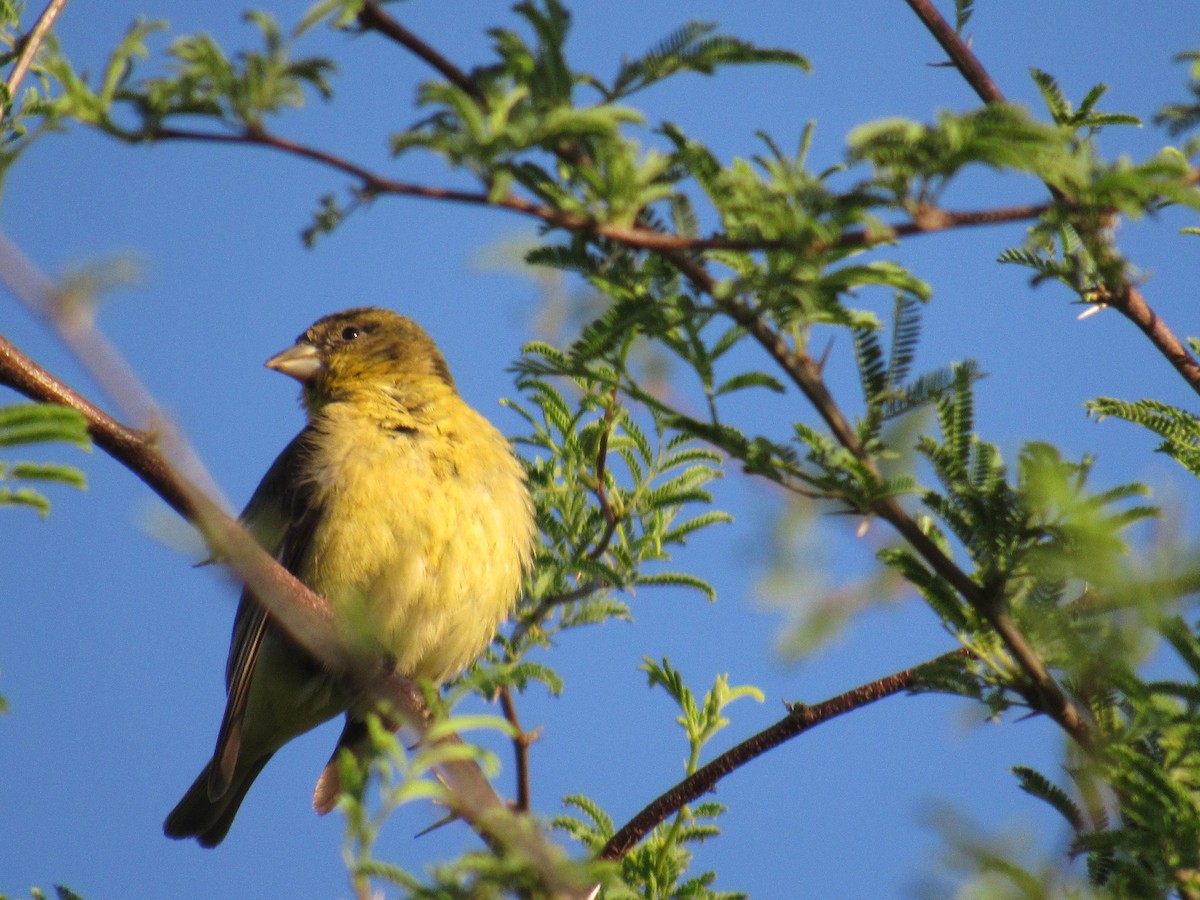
282	516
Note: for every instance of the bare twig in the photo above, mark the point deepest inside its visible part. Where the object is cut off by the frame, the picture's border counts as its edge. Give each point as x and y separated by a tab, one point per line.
800	718
30	43
520	741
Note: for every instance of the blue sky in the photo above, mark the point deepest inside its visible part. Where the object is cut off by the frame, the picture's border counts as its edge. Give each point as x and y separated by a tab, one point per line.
112	646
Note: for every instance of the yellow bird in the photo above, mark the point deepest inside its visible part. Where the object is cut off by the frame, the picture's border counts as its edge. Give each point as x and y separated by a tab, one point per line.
399	504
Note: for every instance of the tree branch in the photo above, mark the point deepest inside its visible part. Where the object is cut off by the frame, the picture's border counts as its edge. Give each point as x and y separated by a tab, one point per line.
800	718
520	741
1128	300
1044	693
372	18
960	54
30	43
371	184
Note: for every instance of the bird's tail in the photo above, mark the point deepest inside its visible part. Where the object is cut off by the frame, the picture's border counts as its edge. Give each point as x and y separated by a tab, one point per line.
206	818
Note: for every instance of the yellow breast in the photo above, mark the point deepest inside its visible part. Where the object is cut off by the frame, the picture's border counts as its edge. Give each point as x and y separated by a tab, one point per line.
426	527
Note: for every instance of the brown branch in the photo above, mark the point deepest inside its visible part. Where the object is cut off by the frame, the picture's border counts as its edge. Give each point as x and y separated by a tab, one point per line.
1128	300
372	18
960	54
1045	694
1131	304
520	741
930	220
29	44
128	446
799	719
372	184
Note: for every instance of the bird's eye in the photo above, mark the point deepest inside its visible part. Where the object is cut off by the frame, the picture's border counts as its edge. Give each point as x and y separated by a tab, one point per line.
349	333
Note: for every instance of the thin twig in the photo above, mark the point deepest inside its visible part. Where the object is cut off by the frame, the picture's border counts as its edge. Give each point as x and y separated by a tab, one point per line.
799	719
956	48
30	44
530	621
372	184
521	740
372	18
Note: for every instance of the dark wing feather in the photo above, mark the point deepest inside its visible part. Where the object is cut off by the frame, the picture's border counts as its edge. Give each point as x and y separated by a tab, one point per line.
282	516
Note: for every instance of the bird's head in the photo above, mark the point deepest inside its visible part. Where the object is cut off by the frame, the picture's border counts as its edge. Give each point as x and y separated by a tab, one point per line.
359	346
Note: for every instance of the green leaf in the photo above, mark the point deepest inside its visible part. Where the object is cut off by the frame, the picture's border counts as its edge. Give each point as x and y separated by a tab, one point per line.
744	380
52	472
694	48
29	423
962	14
680	579
1037	785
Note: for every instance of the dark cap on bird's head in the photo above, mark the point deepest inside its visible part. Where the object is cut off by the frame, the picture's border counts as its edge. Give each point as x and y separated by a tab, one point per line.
357	344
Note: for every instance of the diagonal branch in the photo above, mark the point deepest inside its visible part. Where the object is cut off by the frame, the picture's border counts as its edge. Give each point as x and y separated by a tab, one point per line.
800	718
1129	301
960	54
1045	694
372	18
29	44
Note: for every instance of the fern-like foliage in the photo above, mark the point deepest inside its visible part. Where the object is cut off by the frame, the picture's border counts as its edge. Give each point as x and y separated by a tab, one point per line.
35	423
1182	117
886	386
658	866
1086	116
915	161
1038	785
693	47
1179	429
1030	536
963	10
611	503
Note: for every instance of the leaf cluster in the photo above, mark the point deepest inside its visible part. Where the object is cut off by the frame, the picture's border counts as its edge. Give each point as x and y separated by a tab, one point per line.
37	423
237	93
658	866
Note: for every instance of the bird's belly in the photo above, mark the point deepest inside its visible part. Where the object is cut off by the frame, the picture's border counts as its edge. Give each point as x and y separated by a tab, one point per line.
422	563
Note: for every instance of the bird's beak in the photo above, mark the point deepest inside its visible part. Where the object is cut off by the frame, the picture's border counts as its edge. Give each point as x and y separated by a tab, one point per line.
301	361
